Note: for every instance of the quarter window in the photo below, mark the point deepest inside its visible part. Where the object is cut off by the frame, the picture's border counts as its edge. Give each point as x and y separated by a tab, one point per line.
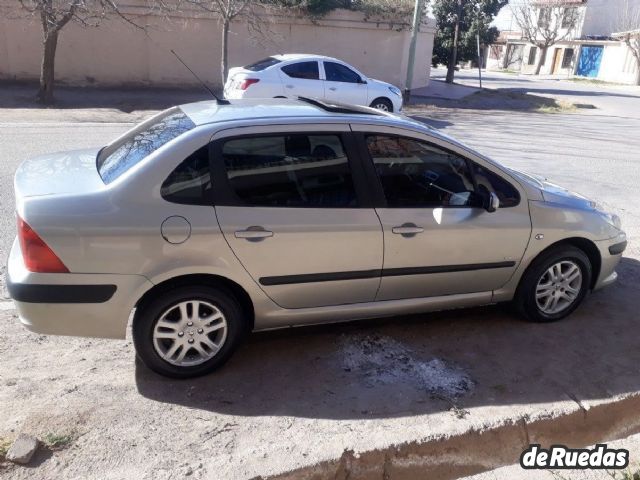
190	182
306	70
418	174
336	72
295	170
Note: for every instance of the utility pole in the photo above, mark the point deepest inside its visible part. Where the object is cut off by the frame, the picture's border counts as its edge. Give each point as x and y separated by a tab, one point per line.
453	58
479	59
415	30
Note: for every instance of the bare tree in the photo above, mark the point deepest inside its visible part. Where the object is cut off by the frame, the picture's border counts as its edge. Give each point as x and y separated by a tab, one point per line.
54	15
253	12
546	22
628	24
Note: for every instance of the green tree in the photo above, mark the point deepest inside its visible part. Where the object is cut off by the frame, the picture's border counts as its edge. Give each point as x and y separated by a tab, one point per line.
470	17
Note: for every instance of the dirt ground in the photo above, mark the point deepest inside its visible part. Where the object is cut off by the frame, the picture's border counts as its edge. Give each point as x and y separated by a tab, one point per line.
289	399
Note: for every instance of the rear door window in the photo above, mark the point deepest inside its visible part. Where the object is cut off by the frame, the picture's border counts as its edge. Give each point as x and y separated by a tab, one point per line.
306	70
115	159
290	170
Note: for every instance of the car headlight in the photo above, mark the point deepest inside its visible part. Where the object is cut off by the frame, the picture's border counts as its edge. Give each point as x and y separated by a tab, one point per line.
395	91
612	219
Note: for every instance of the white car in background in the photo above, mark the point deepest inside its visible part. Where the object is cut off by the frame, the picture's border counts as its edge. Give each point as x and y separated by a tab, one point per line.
313	76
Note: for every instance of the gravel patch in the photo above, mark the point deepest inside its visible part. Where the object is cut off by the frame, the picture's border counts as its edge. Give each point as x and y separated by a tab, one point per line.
383	360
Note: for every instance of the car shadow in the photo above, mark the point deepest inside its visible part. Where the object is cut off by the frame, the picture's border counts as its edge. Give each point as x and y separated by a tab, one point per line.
388	368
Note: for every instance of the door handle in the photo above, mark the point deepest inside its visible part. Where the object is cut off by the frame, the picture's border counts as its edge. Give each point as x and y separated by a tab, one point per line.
333	89
407	230
253	233
289	86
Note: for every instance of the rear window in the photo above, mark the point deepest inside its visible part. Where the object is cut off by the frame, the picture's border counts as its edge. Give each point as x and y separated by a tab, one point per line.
262	64
116	159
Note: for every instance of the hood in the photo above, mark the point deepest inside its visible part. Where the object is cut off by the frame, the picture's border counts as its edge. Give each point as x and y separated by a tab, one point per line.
58	173
555	193
380	83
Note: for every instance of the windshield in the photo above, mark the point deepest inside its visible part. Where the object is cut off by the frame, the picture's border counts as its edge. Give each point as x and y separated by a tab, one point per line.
116	159
262	64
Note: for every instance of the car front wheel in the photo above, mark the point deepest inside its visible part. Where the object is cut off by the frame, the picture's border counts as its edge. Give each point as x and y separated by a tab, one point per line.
383	104
554	285
189	331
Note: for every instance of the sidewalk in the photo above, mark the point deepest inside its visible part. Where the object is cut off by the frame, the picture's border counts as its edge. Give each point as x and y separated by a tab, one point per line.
442	90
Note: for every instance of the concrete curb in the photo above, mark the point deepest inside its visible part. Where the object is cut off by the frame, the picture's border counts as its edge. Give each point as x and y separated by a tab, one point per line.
476	451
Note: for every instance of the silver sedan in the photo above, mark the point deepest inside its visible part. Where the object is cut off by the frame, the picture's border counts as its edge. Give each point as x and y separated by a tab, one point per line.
211	220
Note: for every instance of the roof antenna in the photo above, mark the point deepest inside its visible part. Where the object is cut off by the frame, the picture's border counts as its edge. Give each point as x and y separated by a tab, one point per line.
219	101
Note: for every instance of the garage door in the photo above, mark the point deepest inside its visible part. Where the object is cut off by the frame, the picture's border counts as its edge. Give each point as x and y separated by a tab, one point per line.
590	58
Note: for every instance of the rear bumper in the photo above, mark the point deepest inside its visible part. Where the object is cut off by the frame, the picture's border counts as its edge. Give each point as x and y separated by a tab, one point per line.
77	304
610	254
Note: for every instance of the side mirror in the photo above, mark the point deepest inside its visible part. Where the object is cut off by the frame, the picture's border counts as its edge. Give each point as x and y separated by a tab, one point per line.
493	203
362	81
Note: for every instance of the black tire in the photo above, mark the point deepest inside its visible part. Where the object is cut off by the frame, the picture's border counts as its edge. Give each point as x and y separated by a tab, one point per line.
525	298
148	315
378	102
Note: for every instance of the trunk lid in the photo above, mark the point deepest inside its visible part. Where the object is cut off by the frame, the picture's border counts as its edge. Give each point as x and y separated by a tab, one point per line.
58	173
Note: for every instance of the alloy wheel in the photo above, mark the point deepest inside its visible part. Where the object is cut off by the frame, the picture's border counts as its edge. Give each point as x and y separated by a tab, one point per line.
558	287
190	333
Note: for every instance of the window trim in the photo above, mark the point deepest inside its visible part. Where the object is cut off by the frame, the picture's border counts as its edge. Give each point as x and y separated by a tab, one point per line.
374	179
225	196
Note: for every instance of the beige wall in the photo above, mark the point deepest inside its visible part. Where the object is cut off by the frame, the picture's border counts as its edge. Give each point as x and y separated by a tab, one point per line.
117	54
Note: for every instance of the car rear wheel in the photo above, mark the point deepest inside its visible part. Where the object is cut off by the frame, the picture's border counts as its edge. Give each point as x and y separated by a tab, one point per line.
383	104
554	285
189	331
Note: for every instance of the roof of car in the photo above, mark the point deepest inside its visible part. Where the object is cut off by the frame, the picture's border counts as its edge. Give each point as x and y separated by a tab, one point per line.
299	56
208	112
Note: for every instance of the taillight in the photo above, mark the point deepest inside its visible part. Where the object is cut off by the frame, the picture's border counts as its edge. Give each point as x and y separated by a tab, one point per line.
247	82
37	255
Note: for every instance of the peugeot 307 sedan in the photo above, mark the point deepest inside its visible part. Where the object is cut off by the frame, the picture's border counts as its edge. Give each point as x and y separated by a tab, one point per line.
211	220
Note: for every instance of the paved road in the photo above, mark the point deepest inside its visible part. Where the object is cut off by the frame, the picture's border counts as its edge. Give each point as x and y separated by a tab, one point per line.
610	100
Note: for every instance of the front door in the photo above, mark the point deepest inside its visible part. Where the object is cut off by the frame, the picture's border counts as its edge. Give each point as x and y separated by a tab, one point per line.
438	239
291	208
589	62
557	60
343	85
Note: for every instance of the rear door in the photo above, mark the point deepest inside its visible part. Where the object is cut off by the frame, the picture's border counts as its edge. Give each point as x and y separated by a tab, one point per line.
344	85
302	79
438	238
294	210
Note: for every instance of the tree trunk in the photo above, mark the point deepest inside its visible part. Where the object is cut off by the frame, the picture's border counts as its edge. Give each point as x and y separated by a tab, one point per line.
47	69
638	73
224	59
453	56
541	60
